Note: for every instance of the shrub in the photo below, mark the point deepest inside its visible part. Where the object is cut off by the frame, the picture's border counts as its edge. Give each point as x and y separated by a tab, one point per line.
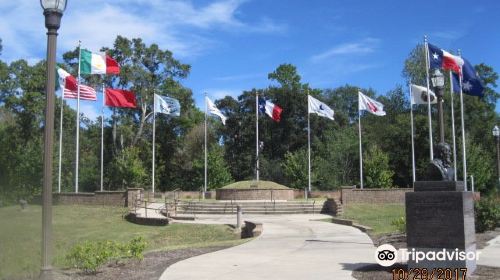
400	224
377	170
487	214
136	247
90	255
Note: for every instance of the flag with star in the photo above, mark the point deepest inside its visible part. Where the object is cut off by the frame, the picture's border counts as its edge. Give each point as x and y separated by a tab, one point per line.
471	83
439	58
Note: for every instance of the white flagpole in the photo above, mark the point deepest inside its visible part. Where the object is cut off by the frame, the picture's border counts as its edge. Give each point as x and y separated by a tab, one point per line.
78	118
206	174
360	148
464	155
102	136
453	128
428	96
60	137
308	145
154	141
257	136
413	137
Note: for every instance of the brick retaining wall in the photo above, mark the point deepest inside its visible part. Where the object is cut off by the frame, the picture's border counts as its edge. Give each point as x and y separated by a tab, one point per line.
106	198
373	196
317	194
254	194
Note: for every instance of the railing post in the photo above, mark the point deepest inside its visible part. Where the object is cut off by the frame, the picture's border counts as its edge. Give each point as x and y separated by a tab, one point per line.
146	208
238	217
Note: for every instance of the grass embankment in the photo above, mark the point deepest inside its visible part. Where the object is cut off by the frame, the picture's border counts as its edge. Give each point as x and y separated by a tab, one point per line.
377	216
253	185
20	235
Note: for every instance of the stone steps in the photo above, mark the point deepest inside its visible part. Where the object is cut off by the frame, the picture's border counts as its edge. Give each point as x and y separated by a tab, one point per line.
248	207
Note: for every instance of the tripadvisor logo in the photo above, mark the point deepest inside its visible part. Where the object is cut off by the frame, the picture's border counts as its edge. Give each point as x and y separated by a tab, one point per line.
387	255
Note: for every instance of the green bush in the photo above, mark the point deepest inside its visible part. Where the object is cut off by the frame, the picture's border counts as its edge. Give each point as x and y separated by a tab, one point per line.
377	170
487	213
400	224
90	255
136	247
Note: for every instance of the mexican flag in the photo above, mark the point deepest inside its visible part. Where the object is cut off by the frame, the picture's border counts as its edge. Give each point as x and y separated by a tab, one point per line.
93	63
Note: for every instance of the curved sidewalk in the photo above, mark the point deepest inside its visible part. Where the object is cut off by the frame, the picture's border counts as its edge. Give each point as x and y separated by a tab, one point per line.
291	247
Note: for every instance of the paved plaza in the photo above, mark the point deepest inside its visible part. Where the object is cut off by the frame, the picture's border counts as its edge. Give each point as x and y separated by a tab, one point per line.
291	247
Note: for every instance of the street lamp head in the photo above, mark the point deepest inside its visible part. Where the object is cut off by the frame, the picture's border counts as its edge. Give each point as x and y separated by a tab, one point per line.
496	131
437	79
53	11
55	5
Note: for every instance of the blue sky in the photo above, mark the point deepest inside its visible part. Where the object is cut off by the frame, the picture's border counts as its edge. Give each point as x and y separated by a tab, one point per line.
233	44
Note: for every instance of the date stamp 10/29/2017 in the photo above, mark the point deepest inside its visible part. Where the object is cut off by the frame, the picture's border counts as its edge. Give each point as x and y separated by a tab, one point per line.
429	274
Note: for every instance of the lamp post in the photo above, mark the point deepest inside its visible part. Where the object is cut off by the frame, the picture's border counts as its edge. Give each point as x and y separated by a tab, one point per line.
496	134
53	11
438	84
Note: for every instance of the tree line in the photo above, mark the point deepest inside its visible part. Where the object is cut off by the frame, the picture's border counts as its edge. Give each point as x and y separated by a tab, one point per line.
148	69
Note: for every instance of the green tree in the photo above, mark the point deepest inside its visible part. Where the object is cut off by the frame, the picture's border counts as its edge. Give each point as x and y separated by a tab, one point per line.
480	163
295	169
376	168
127	170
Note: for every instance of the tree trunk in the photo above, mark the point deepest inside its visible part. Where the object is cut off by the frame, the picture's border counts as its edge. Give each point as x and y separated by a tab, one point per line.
141	125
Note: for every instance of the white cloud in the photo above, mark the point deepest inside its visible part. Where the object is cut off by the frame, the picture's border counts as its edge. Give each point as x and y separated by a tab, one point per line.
221	93
89	110
179	26
365	46
448	35
239	77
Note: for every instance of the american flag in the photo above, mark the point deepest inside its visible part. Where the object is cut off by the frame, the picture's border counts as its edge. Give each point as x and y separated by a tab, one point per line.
86	93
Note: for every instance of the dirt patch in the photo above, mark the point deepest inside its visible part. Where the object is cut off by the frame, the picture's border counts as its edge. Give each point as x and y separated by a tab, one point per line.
151	267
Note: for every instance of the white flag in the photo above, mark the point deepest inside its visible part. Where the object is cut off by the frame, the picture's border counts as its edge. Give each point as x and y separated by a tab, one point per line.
370	105
319	108
212	109
419	95
167	105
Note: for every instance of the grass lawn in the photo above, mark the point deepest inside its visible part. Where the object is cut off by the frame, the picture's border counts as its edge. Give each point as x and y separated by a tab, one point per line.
20	234
250	183
377	216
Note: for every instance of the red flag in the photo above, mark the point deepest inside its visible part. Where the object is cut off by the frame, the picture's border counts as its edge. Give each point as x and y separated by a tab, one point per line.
112	66
120	98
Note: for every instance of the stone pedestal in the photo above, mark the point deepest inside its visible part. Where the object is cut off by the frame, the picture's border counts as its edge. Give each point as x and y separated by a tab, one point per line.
440	216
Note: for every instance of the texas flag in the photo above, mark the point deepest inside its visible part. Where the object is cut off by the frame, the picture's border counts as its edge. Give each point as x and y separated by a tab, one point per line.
370	105
273	111
439	58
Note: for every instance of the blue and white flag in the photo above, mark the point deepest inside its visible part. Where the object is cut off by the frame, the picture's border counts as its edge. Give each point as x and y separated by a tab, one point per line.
471	83
167	105
319	108
212	109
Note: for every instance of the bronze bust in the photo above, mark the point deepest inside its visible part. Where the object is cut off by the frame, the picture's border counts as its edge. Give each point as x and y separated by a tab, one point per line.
440	168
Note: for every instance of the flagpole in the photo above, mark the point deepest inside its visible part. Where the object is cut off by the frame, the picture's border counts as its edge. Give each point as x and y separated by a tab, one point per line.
102	136
206	174
453	128
60	137
412	136
154	141
464	156
78	119
428	96
308	145
360	146
257	137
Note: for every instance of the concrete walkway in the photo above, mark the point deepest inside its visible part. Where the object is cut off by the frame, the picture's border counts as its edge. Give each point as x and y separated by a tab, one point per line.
292	247
153	211
490	255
